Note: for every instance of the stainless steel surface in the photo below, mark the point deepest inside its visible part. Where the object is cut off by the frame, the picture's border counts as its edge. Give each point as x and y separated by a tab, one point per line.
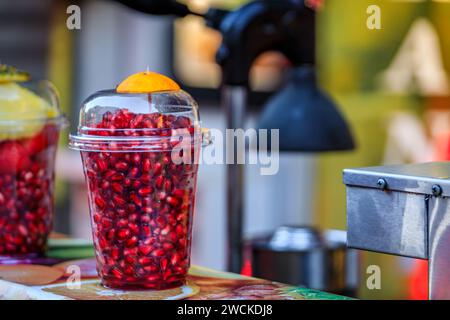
305	256
386	221
234	100
410	217
439	249
415	178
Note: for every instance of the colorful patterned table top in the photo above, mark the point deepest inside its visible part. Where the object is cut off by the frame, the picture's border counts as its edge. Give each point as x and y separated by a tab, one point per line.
62	275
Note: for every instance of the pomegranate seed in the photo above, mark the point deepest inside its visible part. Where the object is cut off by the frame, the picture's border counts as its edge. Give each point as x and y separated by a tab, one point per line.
123	234
179	193
122	223
146	165
146	261
136	200
115	253
151	268
136	158
158	253
119	200
132	241
167	246
117	177
145	191
134	228
117	187
175	258
164	263
159	182
158	168
121	166
172	201
153	278
117	273
179	230
146	231
167	185
134	172
100	202
102	165
145	250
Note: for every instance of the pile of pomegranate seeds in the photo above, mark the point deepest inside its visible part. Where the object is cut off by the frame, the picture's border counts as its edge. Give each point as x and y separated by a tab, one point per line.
141	206
26	192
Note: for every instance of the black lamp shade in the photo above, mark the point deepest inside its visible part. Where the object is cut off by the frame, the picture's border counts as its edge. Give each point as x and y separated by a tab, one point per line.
308	119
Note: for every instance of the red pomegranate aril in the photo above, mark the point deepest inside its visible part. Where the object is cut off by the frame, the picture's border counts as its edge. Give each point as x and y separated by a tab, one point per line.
172	201
110	234
121	166
105	184
146	231
144	191
136	200
106	223
102	243
179	193
136	158
117	177
153	278
159	182
134	228
119	200
136	184
164	263
102	165
158	253
165	230
174	259
134	172
130	251
161	196
146	165
145	218
115	253
117	187
145	261
122	223
158	168
116	273
167	246
132	241
100	202
123	234
145	179
167	186
145	250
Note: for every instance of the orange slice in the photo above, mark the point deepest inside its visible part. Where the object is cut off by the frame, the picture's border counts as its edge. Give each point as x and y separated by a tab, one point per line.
147	82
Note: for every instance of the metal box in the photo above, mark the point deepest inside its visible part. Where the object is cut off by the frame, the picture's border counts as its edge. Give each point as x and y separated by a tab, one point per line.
403	210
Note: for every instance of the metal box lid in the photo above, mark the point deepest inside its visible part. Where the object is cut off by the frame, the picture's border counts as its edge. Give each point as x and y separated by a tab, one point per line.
424	178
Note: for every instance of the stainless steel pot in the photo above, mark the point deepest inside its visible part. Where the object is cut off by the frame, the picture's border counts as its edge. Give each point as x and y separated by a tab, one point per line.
304	256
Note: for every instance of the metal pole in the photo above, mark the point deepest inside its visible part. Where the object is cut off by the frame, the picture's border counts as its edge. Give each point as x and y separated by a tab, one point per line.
234	101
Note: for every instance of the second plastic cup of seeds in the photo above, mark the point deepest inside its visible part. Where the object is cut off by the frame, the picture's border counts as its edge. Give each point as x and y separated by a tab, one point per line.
139	147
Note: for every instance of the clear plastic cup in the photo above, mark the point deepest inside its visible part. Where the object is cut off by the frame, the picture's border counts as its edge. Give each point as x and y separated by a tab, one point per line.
30	123
141	194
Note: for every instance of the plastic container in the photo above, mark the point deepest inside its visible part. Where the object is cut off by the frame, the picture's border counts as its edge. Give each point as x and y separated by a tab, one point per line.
141	197
30	122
